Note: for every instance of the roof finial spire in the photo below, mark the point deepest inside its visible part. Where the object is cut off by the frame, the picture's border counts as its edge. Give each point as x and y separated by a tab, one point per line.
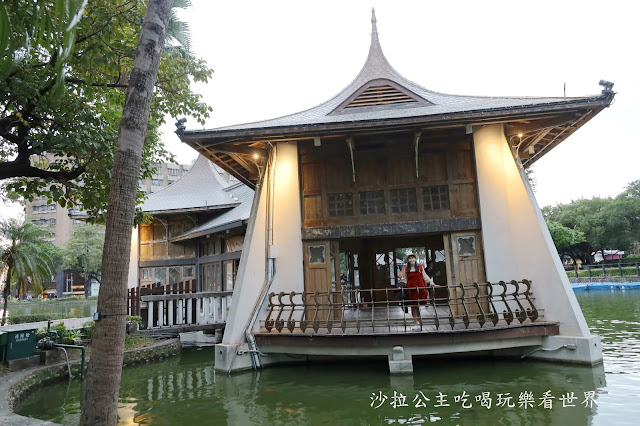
374	27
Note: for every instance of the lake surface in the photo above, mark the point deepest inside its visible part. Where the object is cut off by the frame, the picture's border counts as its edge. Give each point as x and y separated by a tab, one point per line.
75	308
186	390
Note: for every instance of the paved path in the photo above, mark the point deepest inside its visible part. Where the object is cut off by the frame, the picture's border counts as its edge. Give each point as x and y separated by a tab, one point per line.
70	323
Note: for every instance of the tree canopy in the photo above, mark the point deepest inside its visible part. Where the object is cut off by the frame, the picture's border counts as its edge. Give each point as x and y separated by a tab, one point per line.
605	223
83	252
64	92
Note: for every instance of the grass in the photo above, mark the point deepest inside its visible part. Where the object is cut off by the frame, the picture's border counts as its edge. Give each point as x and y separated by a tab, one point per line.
135	341
3	370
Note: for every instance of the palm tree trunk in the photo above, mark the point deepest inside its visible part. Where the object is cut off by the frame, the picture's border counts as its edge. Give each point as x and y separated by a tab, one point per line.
105	366
5	292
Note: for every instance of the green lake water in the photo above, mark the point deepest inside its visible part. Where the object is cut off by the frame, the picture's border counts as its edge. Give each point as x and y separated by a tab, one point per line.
76	308
186	390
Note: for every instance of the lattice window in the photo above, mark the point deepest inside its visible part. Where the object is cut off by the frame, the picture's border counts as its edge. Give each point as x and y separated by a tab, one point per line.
371	203
161	275
435	198
403	200
341	204
174	275
188	272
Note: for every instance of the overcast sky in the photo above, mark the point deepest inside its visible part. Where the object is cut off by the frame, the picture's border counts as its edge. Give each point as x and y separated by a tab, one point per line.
279	57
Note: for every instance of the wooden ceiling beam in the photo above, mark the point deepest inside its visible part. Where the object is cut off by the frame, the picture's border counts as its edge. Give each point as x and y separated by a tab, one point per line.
535	139
239	149
534	126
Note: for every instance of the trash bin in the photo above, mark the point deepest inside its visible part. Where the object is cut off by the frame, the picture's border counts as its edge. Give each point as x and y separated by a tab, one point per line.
4	337
17	344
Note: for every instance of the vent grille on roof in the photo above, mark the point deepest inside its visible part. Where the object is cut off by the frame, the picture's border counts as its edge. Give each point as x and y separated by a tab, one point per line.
380	95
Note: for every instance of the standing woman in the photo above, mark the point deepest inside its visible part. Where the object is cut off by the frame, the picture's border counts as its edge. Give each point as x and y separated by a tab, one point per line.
417	281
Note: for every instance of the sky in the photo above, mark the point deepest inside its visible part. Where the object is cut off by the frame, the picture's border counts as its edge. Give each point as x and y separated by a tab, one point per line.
279	57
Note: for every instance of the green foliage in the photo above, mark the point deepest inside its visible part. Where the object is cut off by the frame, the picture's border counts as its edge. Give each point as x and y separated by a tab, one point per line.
83	252
607	223
77	126
24	256
61	334
87	328
564	237
135	319
609	272
27	318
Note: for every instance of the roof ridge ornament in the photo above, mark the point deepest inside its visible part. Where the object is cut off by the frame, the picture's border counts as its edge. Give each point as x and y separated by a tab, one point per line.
374	25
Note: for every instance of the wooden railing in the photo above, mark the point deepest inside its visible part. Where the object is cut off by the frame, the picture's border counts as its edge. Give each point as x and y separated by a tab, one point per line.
169	310
162	306
356	311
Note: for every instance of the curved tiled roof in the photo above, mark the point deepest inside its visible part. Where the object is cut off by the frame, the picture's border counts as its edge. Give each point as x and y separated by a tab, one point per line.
377	67
201	187
241	194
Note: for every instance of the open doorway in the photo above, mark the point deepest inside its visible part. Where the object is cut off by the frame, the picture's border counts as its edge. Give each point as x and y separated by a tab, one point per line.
371	265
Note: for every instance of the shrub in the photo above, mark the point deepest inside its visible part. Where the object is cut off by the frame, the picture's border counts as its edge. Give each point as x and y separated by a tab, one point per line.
25	318
87	328
132	319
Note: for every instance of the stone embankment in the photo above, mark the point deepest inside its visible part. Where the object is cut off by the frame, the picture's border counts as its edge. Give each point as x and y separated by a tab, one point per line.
15	386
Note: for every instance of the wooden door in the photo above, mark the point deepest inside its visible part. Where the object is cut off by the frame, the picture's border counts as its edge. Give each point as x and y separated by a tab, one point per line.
467	267
317	279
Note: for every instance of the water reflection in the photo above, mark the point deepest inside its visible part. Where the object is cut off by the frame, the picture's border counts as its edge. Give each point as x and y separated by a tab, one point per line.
187	390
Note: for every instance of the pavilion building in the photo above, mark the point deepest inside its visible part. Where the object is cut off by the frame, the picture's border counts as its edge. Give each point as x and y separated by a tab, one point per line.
387	166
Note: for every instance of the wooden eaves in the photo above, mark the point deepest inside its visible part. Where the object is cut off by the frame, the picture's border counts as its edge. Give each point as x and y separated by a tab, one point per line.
240	151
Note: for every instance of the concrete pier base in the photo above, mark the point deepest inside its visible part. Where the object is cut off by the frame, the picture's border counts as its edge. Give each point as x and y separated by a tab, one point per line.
579	350
399	362
232	358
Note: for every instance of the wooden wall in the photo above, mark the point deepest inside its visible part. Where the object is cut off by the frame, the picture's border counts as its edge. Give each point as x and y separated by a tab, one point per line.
154	244
387	163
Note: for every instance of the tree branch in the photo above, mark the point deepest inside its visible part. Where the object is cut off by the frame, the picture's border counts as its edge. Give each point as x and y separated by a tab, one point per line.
76	80
13	169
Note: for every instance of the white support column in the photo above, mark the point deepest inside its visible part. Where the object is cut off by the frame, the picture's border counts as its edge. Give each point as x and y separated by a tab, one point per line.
189	316
170	313
160	313
224	309
214	302
205	310
150	314
180	312
517	243
287	236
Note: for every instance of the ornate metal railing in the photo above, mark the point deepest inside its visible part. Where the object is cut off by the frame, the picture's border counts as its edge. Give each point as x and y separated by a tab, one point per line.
353	311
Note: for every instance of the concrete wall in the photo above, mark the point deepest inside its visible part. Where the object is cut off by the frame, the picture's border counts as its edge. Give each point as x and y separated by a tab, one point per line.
287	239
132	280
517	243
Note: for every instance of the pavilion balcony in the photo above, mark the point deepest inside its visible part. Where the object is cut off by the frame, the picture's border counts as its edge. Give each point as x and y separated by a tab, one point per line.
352	312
